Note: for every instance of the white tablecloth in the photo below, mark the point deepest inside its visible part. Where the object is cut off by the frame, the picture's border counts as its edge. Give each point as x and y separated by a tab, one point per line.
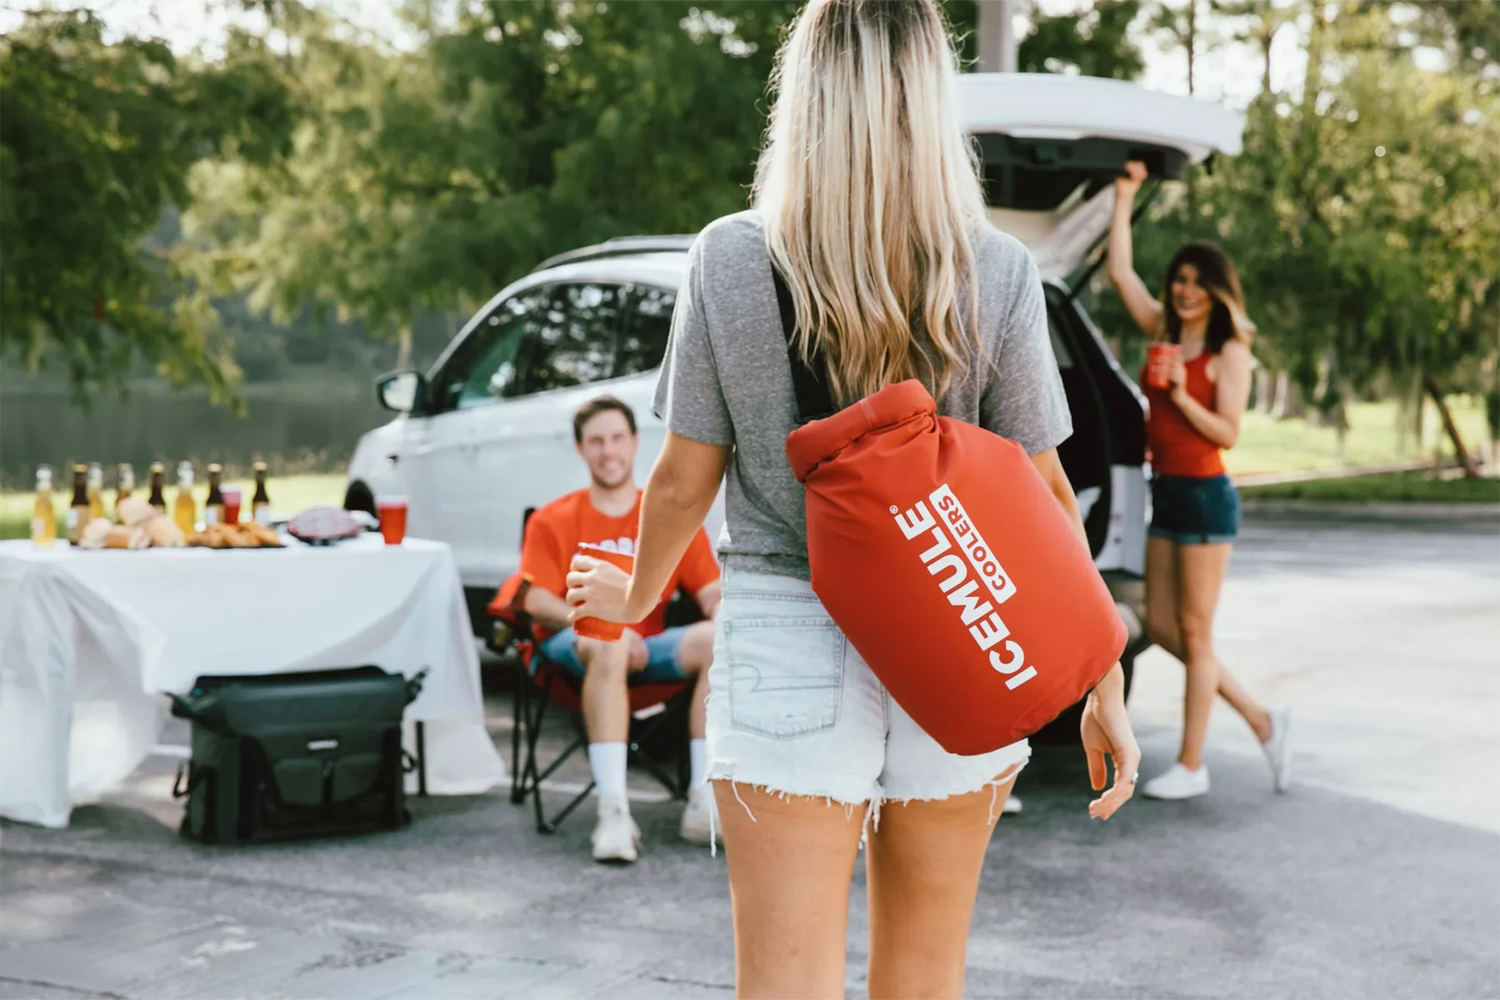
89	641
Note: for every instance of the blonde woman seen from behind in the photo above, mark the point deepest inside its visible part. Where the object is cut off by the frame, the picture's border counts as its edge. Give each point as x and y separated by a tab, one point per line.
1195	509
867	201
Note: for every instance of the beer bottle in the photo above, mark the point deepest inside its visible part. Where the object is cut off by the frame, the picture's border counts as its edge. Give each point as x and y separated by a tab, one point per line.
184	509
124	485
158	496
261	500
96	490
43	517
213	510
78	507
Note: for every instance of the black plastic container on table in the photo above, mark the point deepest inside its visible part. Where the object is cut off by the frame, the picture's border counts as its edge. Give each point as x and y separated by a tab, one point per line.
284	756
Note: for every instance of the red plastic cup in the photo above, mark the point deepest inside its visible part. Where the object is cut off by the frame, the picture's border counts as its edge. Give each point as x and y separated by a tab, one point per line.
232	499
1159	360
598	628
392	514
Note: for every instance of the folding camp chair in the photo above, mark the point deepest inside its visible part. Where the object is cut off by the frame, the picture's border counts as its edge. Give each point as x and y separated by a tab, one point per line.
659	714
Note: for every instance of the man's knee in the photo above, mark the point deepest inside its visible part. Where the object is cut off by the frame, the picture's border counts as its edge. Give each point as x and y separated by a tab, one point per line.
696	651
605	661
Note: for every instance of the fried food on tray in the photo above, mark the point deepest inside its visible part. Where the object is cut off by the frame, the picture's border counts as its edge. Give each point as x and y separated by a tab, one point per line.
235	536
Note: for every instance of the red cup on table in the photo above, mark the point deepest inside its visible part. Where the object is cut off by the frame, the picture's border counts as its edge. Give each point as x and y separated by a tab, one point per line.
391	510
598	628
232	500
1159	361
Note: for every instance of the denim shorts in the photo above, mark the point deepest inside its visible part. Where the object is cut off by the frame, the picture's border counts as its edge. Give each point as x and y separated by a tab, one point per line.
793	708
661	656
1191	511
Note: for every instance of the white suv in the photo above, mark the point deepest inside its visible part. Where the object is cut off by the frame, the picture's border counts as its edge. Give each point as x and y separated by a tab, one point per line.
486	433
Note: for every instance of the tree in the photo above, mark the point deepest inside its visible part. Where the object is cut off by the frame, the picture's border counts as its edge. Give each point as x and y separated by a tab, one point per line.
1258	22
95	141
1364	216
437	176
1095	41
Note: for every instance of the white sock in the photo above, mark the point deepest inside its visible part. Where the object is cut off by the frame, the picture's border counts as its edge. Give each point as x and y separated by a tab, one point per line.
697	763
607	761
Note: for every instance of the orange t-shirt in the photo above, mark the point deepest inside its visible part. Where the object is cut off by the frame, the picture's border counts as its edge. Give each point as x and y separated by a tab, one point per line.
555	531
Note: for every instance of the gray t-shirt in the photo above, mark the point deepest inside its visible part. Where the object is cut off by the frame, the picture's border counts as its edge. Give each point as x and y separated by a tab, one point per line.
726	380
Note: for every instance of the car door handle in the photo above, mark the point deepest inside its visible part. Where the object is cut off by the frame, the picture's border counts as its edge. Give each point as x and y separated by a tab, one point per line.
392	459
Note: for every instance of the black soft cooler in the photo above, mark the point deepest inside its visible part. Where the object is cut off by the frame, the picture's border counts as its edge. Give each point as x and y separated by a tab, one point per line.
294	755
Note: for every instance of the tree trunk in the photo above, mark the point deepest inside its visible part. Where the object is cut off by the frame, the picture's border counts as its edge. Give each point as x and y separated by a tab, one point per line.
1471	469
403	348
1289	403
1265	390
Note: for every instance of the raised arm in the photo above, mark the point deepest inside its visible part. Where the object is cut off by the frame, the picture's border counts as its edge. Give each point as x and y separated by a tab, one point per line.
1120	263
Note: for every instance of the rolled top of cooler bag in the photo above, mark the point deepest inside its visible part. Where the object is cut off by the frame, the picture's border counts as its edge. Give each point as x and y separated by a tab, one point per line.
904	402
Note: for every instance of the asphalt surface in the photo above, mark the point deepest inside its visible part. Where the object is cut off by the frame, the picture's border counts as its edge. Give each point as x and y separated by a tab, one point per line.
1378	875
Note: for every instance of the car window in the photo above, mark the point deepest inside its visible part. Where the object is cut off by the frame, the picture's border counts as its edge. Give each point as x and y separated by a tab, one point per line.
574	339
648	321
483	369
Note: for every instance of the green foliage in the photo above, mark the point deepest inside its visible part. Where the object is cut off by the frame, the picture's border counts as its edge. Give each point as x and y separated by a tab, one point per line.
1095	41
426	178
95	141
1364	216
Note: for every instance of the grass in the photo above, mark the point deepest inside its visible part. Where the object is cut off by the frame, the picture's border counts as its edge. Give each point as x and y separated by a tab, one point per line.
1265	445
1268	445
1396	487
289	494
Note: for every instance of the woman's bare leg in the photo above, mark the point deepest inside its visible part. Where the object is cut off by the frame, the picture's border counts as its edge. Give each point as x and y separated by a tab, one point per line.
923	862
789	872
1200	571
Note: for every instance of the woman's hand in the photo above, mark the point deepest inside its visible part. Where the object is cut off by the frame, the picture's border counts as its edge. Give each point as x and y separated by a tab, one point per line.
599	589
1106	732
1127	186
1177	376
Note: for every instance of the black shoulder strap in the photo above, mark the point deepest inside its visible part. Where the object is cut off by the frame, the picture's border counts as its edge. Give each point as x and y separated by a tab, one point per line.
813	399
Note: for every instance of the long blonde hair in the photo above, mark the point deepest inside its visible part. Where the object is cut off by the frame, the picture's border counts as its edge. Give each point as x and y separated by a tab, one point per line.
869	193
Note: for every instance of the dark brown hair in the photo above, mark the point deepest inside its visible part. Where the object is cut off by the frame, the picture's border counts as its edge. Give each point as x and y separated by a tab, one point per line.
602	404
1217	276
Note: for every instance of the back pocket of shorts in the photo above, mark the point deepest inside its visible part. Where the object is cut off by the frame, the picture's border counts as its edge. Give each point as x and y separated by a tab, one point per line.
786	675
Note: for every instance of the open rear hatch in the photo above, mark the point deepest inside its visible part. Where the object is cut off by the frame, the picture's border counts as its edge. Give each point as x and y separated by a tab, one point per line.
1053	145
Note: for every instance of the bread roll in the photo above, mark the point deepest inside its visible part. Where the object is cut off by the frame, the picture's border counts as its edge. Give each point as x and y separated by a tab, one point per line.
123	536
94	534
164	533
134	511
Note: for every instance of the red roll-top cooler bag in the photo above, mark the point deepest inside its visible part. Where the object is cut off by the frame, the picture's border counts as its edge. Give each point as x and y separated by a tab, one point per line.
945	559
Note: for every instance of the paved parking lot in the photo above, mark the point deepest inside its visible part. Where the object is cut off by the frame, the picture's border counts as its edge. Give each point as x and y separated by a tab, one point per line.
1377	876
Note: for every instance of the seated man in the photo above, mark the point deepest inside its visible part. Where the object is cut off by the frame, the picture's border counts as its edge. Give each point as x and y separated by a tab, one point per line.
606	514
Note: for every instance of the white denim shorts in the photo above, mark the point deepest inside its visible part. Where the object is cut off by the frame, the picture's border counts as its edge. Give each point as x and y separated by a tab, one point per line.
793	708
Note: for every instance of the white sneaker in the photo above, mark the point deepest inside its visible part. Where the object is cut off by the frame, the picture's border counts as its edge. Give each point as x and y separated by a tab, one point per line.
700	819
1177	782
1279	748
615	834
1012	806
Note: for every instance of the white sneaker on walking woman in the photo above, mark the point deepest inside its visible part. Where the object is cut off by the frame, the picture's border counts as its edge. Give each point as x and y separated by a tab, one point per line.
1177	782
1278	748
615	835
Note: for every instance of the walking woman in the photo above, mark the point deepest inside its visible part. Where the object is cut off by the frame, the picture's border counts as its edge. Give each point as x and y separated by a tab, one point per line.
1195	509
867	202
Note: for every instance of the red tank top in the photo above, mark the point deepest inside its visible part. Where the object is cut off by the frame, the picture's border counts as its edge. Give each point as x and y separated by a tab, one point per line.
1176	447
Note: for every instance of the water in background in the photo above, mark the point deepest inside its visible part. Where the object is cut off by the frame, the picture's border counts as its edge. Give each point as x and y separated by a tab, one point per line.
296	427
